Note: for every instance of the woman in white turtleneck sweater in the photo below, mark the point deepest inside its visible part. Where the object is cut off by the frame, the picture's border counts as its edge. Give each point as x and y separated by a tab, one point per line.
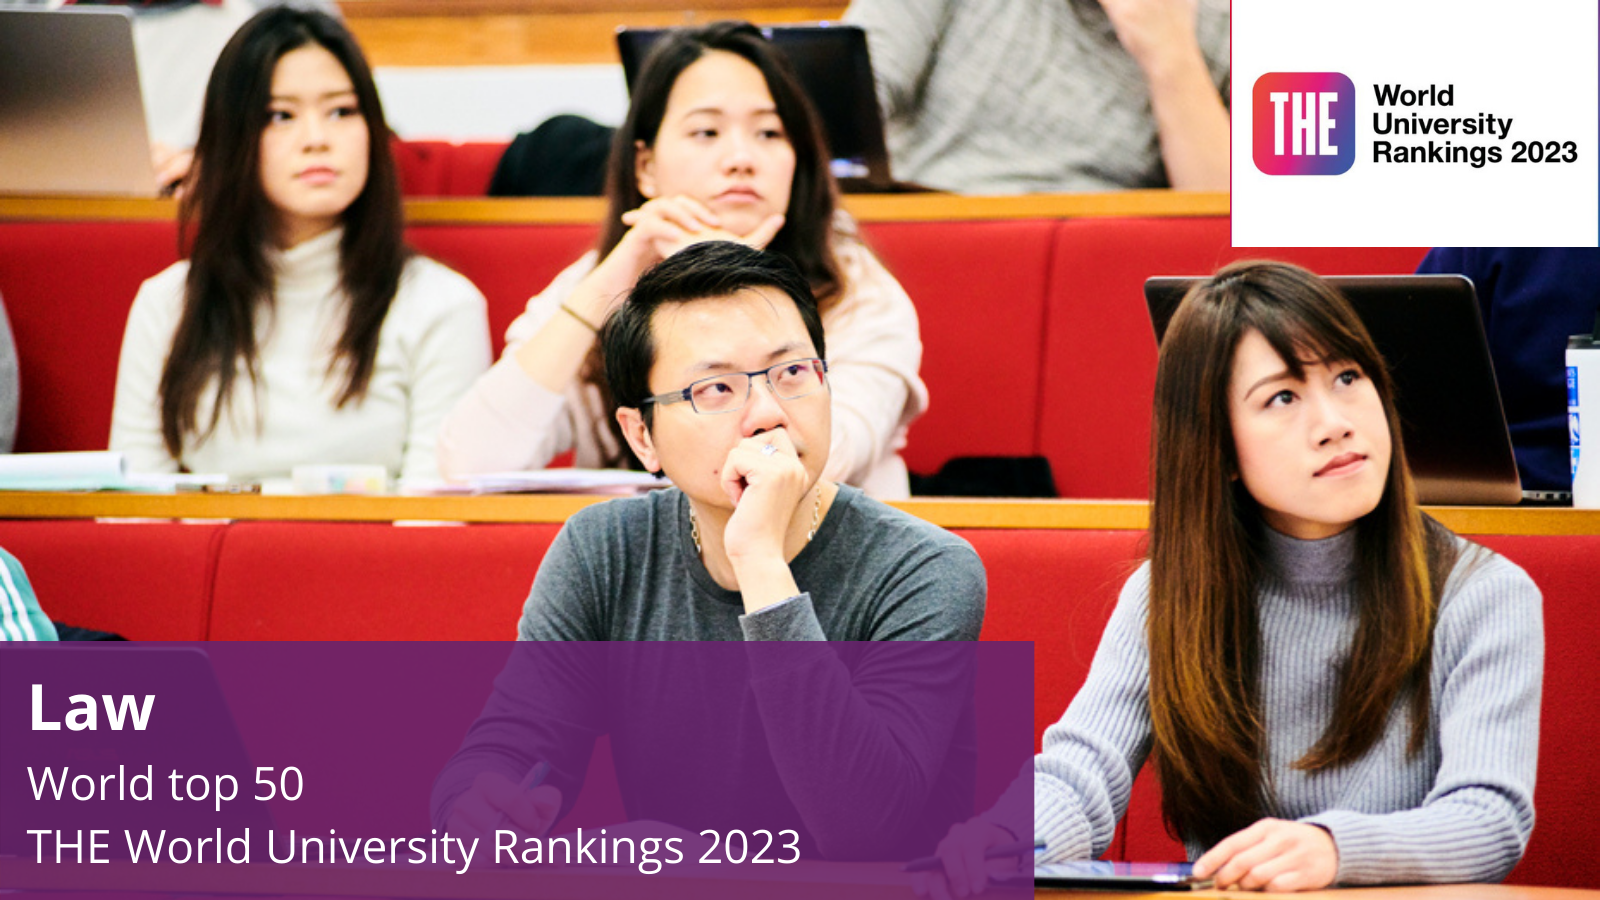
301	329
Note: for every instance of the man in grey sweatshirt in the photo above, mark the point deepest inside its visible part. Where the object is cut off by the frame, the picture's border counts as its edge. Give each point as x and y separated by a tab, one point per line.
863	750
716	365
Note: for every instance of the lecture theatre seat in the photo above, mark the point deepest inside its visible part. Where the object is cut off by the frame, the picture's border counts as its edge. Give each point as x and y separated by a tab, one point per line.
376	581
1099	346
355	581
145	581
67	288
979	288
508	263
1035	337
446	169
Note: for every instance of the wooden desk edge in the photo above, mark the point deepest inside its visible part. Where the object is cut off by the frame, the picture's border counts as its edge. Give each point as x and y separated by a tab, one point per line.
841	881
961	513
588	210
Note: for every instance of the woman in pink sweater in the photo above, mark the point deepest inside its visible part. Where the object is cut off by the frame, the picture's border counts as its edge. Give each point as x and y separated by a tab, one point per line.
720	144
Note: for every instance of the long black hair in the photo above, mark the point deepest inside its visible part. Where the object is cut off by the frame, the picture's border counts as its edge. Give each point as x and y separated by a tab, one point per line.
806	236
808	228
228	223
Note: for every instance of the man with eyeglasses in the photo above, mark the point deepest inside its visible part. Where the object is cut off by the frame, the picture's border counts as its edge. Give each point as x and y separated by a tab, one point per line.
717	364
850	750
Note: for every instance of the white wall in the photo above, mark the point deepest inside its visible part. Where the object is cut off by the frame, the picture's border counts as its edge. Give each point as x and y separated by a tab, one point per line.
496	102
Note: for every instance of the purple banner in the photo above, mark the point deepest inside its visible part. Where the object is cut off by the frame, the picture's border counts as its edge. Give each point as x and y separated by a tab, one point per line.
500	770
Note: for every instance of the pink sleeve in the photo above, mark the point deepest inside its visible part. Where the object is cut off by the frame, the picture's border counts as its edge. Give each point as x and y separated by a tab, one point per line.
507	421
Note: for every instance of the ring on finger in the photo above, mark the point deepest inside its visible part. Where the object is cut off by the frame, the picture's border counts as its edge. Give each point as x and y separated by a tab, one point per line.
768	449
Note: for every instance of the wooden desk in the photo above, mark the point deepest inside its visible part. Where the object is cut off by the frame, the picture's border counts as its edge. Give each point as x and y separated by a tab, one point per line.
948	513
1412	892
804	881
588	210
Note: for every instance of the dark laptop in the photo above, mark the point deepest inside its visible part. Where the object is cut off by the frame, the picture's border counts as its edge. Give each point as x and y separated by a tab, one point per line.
188	729
832	64
1428	329
70	107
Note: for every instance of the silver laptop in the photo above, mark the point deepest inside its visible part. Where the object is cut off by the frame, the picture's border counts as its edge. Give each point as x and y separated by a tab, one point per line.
1428	329
70	107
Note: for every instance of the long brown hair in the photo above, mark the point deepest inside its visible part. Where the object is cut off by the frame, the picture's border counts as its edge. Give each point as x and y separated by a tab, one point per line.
1206	539
227	221
808	229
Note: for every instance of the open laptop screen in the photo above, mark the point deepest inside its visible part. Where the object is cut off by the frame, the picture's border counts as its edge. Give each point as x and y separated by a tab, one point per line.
833	66
70	107
1428	329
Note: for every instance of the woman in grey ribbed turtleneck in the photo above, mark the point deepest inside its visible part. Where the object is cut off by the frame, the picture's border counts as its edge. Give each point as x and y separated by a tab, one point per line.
1333	687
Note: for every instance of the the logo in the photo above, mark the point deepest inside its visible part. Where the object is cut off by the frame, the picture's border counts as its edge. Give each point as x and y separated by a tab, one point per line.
1304	123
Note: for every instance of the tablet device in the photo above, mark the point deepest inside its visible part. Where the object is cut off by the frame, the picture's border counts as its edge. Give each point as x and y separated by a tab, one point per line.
1102	875
190	730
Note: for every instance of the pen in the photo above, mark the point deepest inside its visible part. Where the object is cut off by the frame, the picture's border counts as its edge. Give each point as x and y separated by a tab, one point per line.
533	779
998	851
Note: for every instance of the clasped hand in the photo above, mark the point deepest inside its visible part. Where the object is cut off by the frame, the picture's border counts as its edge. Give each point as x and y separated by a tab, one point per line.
666	225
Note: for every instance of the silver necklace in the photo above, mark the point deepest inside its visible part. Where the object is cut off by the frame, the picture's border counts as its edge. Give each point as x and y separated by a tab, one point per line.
816	522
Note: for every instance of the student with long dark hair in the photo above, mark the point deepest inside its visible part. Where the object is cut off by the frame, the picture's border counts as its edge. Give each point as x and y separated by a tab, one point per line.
301	329
720	143
1333	687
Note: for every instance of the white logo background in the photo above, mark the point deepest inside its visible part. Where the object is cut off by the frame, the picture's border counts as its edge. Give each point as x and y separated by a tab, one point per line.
1535	62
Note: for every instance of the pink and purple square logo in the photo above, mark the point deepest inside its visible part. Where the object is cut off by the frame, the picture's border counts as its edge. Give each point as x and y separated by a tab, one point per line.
1304	123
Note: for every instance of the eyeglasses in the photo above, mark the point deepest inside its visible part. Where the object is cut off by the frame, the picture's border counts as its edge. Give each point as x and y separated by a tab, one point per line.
728	393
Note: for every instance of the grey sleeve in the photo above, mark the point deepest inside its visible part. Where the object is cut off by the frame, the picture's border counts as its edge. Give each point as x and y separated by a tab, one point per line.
903	39
794	619
931	594
1084	777
872	738
564	603
1475	822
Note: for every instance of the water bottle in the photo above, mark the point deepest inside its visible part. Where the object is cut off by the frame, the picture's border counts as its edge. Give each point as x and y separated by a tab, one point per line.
1583	414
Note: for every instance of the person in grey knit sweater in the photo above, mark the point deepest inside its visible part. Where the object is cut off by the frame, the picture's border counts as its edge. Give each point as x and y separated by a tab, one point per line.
1333	687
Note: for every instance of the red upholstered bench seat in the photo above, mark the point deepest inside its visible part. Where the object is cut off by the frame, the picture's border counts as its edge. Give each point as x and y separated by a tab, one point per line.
446	169
281	580
144	581
350	581
1035	338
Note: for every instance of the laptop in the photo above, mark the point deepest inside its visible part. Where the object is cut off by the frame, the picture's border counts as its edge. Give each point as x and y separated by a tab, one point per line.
70	106
832	64
1428	329
188	728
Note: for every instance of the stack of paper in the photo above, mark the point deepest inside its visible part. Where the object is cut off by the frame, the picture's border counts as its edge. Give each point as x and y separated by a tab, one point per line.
96	470
568	481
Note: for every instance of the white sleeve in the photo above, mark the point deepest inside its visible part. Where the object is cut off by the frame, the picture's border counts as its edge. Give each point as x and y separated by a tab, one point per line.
447	355
136	407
